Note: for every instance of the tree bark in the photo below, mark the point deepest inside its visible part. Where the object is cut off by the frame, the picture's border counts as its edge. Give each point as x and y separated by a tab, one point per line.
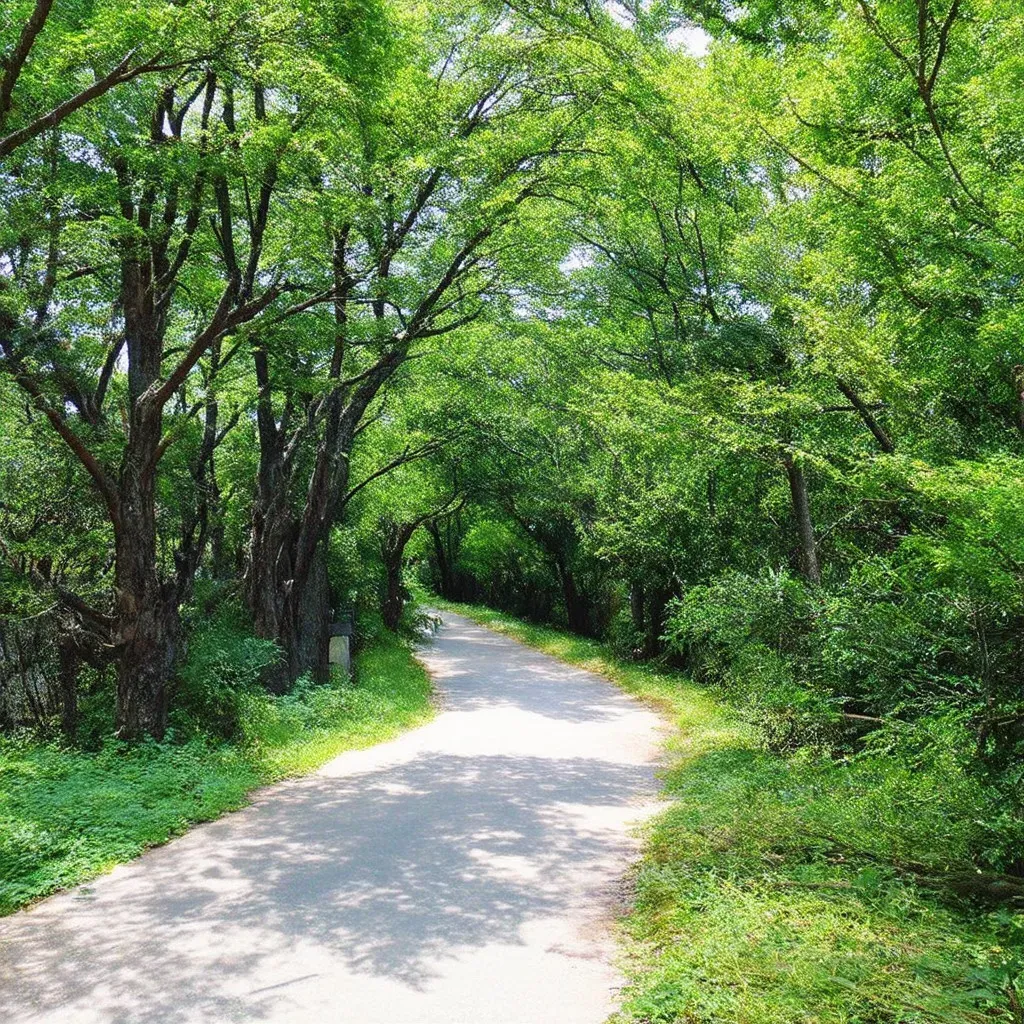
804	523
577	612
394	597
394	538
656	603
308	645
444	567
147	628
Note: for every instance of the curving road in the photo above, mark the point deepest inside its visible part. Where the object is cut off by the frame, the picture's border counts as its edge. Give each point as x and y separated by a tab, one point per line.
465	873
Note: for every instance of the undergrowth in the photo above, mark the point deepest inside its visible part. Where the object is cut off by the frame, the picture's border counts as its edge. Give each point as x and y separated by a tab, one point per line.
770	890
67	814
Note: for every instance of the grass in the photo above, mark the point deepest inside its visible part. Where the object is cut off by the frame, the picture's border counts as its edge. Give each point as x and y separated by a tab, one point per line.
68	815
752	905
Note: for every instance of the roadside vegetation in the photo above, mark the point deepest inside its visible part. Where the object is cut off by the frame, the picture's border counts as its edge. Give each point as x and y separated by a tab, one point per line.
780	888
67	813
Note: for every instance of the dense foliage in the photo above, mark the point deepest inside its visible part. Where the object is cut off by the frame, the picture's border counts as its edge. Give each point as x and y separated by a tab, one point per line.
766	420
689	326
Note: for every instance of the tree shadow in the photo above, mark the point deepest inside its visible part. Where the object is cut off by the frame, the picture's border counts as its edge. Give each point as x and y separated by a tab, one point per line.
508	810
391	871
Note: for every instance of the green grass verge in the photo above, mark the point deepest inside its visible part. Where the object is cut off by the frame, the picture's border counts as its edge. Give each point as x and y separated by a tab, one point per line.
751	908
67	815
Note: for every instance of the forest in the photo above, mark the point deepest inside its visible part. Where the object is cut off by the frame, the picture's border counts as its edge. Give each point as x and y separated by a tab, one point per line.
688	328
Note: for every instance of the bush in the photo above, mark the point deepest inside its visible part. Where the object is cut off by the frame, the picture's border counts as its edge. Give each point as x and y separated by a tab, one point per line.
887	673
269	720
219	682
747	635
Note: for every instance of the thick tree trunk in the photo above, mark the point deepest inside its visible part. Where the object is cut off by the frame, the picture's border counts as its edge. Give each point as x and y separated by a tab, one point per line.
309	606
147	630
151	632
295	614
144	631
804	523
294	609
308	646
286	584
269	563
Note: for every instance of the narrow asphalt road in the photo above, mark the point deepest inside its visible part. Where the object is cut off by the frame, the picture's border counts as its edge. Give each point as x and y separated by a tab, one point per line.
465	873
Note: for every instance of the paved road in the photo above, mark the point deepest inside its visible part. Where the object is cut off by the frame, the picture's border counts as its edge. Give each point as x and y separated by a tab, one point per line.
463	874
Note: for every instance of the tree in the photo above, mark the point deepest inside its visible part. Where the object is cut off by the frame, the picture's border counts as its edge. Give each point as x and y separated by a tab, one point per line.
151	191
418	227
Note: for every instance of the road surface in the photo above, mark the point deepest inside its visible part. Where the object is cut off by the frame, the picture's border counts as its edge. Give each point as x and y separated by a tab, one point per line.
465	873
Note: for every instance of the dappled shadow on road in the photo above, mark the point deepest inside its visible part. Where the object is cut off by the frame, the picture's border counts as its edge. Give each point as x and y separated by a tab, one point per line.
475	668
370	879
390	870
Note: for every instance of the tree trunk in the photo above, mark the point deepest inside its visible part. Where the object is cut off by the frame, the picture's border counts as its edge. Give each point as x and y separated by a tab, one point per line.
268	570
68	682
636	606
576	611
308	647
867	417
804	524
656	604
146	665
394	538
219	563
286	583
294	613
444	567
144	632
394	599
147	629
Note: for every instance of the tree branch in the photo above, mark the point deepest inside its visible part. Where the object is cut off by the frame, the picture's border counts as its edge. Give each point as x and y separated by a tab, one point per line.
120	74
16	61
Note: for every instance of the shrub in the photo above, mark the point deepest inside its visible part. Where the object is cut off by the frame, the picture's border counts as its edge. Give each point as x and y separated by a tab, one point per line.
218	684
746	635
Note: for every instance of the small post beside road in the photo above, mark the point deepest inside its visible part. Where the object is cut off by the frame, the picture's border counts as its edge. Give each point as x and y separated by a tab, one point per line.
339	651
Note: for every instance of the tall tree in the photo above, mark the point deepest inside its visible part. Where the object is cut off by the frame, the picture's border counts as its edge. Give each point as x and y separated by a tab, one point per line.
150	190
457	135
